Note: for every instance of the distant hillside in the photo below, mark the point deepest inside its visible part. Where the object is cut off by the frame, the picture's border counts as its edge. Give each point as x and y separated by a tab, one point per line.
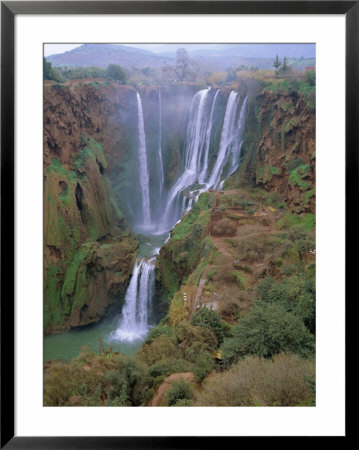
217	57
101	55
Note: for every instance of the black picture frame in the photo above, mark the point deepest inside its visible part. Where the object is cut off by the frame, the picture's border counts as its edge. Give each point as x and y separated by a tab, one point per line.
9	9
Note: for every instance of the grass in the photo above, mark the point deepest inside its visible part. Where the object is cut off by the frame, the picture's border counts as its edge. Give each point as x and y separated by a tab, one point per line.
289	220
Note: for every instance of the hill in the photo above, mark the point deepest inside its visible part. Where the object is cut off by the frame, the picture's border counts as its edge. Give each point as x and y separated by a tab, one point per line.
101	55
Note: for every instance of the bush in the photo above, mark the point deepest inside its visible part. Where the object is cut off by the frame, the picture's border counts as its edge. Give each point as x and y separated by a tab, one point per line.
295	295
286	380
225	227
266	331
211	320
180	390
204	364
129	384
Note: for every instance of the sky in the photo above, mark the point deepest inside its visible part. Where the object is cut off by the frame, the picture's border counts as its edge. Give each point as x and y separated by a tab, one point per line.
51	49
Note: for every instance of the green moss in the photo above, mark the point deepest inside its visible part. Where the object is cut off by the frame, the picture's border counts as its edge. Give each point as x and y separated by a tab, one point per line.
92	151
289	220
240	280
296	176
265	173
52	296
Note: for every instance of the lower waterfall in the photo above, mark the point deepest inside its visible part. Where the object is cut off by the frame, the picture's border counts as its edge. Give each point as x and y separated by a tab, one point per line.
133	324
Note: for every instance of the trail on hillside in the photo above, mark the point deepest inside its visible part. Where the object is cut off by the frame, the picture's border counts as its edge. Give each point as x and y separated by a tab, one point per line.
159	396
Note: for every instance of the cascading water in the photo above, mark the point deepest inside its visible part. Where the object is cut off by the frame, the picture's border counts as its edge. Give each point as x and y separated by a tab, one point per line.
134	322
159	155
143	166
226	139
184	192
236	148
202	175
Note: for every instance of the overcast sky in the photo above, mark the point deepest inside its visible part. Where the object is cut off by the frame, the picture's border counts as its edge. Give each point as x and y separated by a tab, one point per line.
52	49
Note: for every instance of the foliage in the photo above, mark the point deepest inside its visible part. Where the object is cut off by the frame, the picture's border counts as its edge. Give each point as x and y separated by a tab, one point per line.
295	295
276	64
211	320
51	73
266	331
180	390
284	380
128	384
115	72
288	220
96	380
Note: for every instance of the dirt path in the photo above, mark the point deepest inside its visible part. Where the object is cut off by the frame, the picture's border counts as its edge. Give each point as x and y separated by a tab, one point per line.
221	245
200	287
159	397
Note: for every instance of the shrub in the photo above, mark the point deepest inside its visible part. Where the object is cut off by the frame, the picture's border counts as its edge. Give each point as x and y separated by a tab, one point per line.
180	390
224	227
295	295
129	383
266	331
204	364
211	320
158	349
285	380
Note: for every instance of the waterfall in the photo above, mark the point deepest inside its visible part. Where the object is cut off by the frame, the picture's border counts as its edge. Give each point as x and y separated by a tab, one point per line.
196	177
203	174
159	155
133	324
142	156
236	150
227	137
195	140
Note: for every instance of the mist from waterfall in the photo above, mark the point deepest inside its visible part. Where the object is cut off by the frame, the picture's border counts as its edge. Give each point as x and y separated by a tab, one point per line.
204	168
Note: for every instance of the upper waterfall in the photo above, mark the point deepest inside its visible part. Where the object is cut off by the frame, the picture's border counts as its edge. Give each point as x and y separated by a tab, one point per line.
143	165
160	162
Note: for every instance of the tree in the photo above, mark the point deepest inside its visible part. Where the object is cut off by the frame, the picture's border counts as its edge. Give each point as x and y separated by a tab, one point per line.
115	72
285	68
277	63
182	68
182	63
180	390
51	73
211	320
266	331
47	70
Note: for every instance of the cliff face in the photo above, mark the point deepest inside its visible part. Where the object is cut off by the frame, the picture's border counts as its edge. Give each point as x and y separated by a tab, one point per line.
87	254
279	148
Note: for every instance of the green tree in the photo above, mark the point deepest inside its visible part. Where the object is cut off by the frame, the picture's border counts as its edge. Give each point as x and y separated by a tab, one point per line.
115	72
284	68
47	70
276	64
51	73
180	390
295	295
209	319
266	331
